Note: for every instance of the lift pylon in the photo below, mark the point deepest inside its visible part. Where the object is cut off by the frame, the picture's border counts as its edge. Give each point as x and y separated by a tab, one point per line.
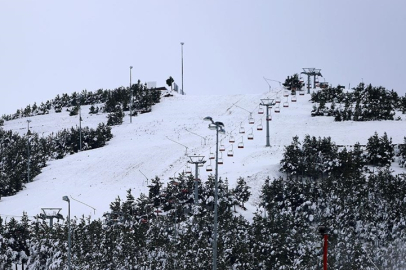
311	72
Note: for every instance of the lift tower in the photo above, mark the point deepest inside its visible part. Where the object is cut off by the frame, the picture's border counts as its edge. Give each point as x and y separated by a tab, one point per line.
311	72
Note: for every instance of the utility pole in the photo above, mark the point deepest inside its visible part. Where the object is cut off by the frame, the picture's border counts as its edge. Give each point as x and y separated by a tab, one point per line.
268	103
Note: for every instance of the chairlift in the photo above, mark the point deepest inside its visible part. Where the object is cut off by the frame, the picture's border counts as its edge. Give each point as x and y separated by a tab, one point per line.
230	153
200	164
251	120
261	110
293	99
241	144
220	159
209	168
222	147
277	110
232	139
286	93
211	155
278	100
259	127
188	170
286	104
268	118
301	92
251	135
242	129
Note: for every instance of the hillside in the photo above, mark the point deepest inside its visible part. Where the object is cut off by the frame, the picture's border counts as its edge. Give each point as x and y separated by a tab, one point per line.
147	147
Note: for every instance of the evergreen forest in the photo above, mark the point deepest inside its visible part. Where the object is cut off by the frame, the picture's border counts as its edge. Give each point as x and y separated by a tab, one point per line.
352	192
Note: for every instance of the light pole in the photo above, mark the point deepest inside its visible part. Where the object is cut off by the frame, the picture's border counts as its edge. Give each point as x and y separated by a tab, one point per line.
66	198
28	150
196	160
131	100
182	63
80	123
268	103
218	127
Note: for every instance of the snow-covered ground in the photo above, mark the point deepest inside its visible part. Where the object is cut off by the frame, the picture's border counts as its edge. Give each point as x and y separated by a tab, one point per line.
158	144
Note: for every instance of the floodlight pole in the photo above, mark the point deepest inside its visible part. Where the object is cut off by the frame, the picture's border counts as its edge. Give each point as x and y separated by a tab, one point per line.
182	63
196	160
66	198
131	99
268	103
28	150
219	127
80	124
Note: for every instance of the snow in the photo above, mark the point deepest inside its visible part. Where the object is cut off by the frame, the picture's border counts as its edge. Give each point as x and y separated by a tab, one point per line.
157	144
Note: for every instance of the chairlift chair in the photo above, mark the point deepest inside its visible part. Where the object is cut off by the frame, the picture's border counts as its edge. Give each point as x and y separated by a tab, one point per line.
293	99
232	139
211	155
209	168
241	144
251	120
286	103
261	110
220	159
251	135
278	100
222	147
259	127
277	110
301	92
242	129
188	170
230	153
286	93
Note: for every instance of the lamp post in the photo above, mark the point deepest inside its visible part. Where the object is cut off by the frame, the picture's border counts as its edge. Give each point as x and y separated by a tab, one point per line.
66	198
80	123
131	100
218	127
28	150
182	63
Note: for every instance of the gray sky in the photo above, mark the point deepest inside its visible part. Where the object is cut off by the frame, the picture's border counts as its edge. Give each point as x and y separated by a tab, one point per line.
51	47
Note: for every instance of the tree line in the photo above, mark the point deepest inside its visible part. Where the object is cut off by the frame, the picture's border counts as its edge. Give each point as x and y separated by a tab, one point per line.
23	157
140	98
364	103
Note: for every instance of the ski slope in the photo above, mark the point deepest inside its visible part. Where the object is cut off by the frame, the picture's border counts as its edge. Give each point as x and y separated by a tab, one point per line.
158	144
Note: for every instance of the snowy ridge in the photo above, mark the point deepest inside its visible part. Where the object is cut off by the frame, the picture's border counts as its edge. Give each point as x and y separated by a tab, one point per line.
155	145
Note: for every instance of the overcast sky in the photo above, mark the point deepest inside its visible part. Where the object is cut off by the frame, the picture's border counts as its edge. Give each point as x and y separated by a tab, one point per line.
50	47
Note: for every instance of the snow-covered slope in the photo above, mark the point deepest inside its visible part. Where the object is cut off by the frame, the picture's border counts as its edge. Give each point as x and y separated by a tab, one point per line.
158	144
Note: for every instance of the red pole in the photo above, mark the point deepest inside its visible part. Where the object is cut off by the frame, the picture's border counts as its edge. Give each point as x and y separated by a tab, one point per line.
325	252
